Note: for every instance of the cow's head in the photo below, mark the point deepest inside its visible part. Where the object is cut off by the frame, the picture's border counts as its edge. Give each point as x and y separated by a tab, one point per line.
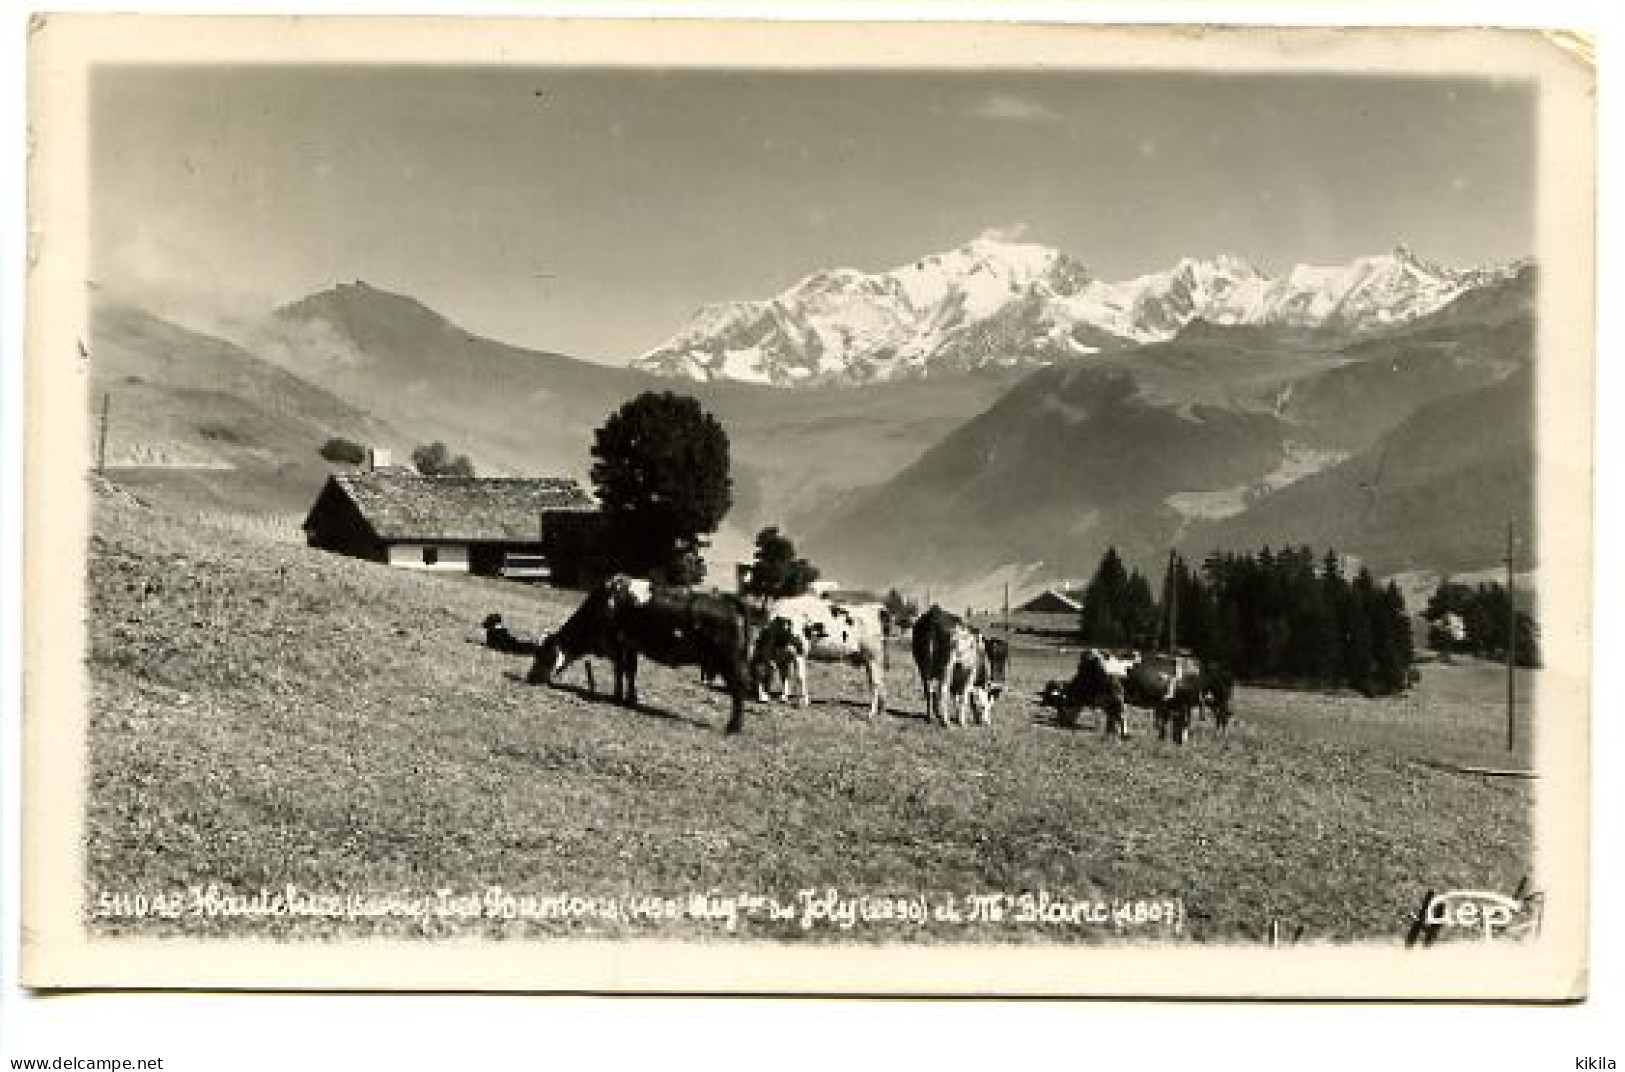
997	652
775	643
778	639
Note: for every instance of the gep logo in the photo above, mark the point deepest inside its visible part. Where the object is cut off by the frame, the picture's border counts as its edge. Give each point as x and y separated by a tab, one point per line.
1476	913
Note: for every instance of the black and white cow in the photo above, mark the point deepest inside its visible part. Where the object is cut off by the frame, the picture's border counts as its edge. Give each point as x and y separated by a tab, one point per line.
813	628
626	618
957	667
1170	686
499	638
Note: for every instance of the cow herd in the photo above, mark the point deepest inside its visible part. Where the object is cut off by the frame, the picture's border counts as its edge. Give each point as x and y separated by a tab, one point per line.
757	651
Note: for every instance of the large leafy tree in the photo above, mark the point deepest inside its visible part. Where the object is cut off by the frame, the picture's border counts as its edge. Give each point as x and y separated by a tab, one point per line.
777	570
661	470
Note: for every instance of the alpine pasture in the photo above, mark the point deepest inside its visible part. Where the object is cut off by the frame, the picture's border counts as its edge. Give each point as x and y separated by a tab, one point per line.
262	714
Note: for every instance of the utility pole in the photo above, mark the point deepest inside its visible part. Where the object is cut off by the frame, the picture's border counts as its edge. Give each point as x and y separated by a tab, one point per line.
1173	603
1512	650
101	438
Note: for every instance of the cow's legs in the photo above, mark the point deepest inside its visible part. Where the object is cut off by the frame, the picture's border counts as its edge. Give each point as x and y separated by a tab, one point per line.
801	680
1180	716
627	668
981	705
877	686
737	677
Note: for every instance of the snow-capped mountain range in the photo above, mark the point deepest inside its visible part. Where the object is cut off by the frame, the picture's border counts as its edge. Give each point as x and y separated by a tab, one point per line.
998	303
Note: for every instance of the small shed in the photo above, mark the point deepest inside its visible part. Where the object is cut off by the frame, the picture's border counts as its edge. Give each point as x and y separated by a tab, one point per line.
520	527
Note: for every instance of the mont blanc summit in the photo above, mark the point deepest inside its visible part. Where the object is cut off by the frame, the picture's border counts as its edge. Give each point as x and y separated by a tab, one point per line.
996	303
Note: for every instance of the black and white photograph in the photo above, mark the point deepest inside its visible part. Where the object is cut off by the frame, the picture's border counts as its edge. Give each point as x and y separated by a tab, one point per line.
866	509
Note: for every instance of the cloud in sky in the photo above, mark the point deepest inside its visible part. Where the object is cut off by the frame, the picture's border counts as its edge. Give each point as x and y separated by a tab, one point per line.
1015	232
1009	106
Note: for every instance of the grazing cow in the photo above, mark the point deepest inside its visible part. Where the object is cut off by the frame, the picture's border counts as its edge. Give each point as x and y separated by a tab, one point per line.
1098	683
956	667
1170	686
625	618
814	628
498	638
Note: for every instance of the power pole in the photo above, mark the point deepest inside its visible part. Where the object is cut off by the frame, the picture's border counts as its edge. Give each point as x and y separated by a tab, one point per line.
1173	603
101	438
1512	650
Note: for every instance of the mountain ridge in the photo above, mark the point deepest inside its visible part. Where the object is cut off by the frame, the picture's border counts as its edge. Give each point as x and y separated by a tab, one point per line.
998	303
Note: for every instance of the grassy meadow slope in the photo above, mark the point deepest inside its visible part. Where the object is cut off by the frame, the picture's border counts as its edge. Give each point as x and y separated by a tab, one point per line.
264	714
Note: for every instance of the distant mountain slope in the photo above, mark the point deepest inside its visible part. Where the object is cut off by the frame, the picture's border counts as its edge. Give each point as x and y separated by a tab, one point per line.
1154	446
993	303
524	411
1474	341
1072	459
210	422
1435	493
942	478
513	410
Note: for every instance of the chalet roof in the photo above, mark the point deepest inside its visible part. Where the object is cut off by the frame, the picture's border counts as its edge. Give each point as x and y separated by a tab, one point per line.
852	595
1054	599
477	509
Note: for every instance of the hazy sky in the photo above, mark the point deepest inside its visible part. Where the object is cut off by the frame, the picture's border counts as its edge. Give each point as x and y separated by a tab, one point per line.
592	212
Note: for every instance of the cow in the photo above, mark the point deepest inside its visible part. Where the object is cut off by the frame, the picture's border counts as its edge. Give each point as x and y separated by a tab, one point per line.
957	666
805	628
1170	686
498	638
626	618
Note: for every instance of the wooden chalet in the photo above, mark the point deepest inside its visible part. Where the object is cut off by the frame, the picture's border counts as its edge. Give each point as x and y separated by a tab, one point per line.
524	528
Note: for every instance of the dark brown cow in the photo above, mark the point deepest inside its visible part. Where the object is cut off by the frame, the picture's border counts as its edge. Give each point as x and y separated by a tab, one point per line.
624	619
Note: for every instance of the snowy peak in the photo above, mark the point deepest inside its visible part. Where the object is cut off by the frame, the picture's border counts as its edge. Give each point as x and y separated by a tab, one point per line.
995	302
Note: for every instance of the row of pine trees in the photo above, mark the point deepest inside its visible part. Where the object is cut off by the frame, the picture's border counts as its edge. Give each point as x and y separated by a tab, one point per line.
1279	617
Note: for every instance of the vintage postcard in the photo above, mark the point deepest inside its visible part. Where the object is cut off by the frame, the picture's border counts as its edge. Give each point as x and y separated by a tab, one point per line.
832	508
